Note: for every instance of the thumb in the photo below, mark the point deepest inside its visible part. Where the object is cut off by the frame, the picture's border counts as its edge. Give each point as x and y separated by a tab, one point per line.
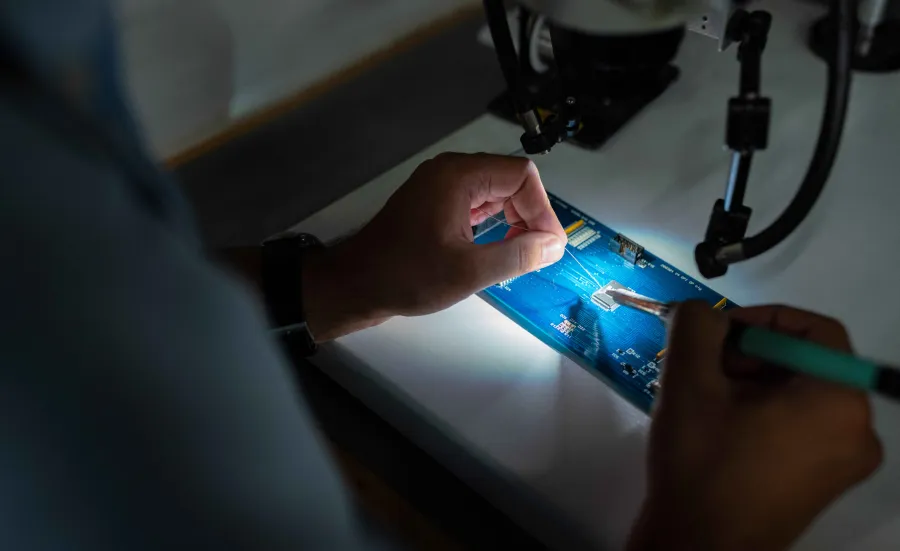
694	358
516	256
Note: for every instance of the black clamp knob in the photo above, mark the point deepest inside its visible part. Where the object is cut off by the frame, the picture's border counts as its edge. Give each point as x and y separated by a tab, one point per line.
555	129
747	126
725	227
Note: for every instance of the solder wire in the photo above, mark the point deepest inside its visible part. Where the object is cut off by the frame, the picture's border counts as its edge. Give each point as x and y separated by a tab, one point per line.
565	248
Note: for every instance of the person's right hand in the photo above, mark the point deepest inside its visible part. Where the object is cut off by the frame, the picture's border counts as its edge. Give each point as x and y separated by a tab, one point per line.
748	460
418	256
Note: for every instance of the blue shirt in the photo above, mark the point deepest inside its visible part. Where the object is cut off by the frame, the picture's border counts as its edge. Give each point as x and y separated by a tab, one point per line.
142	402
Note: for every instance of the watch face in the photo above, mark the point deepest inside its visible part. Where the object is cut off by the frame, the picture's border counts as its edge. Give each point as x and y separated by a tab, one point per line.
308	240
299	342
302	240
305	239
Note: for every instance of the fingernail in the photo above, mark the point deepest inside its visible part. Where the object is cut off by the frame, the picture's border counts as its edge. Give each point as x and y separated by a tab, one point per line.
551	250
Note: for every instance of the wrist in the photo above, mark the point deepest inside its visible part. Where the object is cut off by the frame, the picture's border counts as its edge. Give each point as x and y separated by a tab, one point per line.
335	293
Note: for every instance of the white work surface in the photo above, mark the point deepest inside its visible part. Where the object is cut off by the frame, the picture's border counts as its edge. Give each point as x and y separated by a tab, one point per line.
548	443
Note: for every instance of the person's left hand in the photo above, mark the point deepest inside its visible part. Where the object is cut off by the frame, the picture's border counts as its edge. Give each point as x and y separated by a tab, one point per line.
417	255
744	455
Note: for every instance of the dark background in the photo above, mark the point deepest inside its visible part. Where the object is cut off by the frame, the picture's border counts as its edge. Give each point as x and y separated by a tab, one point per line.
267	180
274	176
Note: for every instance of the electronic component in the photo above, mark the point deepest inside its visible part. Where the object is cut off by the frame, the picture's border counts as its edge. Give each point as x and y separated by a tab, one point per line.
571	313
654	386
571	228
583	237
627	249
603	300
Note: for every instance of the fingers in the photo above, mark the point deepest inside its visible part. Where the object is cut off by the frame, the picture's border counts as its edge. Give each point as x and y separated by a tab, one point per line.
694	359
797	323
843	412
511	180
848	409
697	343
517	225
511	184
495	262
482	212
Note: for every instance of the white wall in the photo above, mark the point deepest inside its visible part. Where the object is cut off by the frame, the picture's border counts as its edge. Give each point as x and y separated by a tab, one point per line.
194	66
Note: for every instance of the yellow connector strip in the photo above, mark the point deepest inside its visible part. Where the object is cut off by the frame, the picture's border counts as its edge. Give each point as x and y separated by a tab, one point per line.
574	226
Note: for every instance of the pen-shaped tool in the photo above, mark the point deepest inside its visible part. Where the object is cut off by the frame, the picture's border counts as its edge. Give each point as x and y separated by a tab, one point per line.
789	352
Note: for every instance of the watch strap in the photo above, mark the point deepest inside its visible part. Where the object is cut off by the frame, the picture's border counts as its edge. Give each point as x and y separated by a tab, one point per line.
282	275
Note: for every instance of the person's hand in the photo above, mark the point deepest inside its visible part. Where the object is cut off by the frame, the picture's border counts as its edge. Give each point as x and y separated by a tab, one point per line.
417	256
744	455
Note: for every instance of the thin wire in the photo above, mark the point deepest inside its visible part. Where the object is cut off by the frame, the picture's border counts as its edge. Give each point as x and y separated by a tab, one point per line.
565	248
582	266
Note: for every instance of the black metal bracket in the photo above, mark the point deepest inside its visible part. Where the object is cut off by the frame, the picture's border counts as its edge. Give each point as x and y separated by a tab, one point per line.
747	131
556	128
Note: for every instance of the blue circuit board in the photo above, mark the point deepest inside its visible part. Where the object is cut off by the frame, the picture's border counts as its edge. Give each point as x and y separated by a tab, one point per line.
565	307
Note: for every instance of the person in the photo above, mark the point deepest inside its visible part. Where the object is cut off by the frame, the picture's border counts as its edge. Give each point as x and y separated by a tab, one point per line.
145	405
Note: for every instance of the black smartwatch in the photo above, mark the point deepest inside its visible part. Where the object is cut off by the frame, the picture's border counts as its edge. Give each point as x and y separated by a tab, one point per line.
282	279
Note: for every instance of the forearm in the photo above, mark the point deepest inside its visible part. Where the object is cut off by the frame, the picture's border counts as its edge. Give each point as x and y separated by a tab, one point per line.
335	293
334	299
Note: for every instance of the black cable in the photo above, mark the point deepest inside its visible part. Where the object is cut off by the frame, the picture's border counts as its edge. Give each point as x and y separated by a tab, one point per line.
843	15
506	54
524	40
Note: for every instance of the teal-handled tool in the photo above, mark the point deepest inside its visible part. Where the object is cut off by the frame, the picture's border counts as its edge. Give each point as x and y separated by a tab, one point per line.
785	351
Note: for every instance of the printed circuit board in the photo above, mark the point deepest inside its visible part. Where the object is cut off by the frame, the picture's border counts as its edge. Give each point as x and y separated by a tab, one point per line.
567	309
